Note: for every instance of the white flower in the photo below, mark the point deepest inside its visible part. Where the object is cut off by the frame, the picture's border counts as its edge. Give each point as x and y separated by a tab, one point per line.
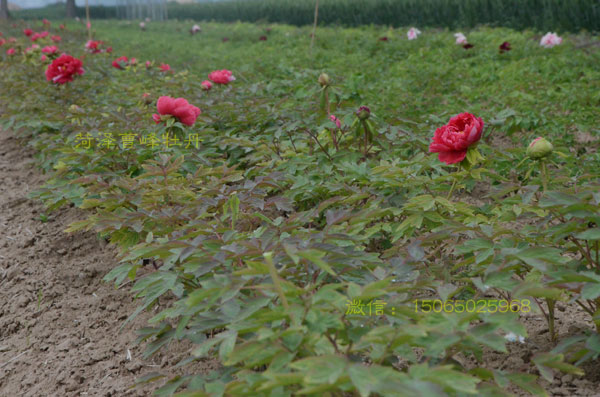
512	337
413	33
550	40
195	29
142	25
460	38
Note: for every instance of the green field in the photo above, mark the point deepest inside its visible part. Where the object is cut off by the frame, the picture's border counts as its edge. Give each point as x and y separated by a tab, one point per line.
266	231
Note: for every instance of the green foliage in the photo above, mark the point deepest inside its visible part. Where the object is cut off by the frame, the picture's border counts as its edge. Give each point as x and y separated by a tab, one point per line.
259	245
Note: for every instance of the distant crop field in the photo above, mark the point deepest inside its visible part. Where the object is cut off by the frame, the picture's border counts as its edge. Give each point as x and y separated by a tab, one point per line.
566	15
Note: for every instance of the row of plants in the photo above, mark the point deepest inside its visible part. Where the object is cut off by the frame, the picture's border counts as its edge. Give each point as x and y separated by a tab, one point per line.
259	215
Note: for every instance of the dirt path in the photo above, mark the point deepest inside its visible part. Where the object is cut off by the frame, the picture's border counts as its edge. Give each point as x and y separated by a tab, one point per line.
59	323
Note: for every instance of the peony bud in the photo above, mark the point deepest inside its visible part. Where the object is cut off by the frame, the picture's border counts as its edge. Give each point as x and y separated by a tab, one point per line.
324	80
539	148
363	113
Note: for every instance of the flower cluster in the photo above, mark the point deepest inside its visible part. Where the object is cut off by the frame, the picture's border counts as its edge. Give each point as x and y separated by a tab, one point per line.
122	62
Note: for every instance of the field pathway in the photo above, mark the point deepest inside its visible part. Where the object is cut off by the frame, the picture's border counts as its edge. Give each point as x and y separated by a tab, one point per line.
59	322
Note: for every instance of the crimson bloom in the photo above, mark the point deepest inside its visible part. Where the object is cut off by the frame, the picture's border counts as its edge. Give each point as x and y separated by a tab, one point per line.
466	46
452	140
93	46
504	47
179	108
165	67
63	68
263	38
121	62
221	76
384	38
28	32
10	51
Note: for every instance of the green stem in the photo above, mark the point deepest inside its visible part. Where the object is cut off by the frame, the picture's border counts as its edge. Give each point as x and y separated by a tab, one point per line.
453	184
551	303
544	175
275	277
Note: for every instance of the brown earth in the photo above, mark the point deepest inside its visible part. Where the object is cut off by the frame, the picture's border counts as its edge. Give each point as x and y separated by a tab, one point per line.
59	322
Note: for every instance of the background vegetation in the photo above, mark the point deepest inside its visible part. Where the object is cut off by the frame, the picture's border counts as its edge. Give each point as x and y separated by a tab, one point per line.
562	15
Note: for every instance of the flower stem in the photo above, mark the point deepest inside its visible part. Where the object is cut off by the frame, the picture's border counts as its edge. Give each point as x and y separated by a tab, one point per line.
453	184
544	175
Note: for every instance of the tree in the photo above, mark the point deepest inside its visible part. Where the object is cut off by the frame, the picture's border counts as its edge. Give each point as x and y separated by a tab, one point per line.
4	9
71	9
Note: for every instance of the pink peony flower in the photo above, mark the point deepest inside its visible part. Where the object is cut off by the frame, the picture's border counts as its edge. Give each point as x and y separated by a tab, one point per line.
148	64
12	40
195	29
460	38
178	108
143	25
2	42
50	49
56	38
28	32
164	67
550	40
206	85
337	121
44	58
45	21
221	76
413	33
88	25
108	50
10	51
62	26
504	47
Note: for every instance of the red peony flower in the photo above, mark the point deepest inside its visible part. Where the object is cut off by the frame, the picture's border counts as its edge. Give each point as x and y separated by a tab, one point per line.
468	45
384	38
178	108
56	38
44	58
45	21
2	42
120	62
63	68
206	85
504	47
28	32
263	38
165	67
93	46
108	50
452	140
221	76
10	51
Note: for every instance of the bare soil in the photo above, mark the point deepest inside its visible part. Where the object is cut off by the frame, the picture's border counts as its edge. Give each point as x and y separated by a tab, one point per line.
59	322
